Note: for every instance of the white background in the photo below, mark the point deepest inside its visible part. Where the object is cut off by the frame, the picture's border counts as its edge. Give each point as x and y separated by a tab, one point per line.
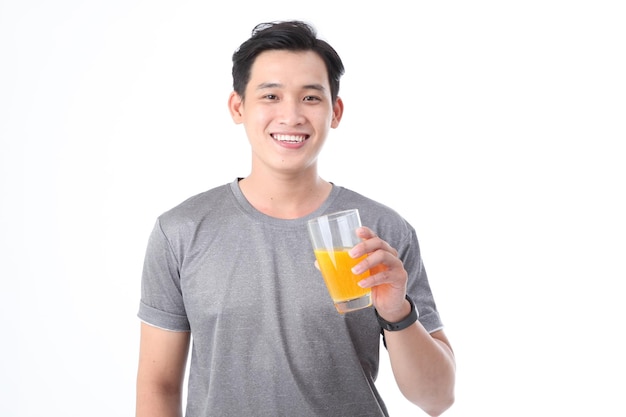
497	128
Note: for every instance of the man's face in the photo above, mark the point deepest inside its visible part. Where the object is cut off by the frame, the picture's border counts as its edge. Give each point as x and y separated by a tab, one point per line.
287	112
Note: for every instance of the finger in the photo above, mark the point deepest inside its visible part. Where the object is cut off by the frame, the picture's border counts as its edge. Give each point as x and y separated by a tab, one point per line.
371	245
365	232
395	278
377	260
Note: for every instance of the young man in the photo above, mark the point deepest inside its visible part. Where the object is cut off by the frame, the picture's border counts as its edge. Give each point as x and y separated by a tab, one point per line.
231	272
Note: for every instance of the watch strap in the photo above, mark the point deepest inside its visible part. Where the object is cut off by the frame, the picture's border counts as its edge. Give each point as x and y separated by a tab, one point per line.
402	324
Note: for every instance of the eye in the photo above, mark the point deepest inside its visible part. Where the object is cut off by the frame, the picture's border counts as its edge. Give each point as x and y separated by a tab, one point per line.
270	97
311	98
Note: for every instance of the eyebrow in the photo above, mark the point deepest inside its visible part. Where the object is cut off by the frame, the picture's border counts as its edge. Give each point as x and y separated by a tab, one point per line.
318	87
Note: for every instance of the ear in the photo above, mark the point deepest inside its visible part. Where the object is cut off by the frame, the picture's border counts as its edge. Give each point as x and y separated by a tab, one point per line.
337	113
235	106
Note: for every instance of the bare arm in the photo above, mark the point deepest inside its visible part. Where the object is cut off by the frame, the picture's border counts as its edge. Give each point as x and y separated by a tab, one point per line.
162	360
423	364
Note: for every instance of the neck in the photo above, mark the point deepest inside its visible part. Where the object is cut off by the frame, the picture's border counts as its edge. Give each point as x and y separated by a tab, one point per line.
285	198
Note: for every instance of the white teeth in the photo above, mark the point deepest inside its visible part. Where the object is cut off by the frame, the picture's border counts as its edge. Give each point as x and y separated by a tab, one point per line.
289	138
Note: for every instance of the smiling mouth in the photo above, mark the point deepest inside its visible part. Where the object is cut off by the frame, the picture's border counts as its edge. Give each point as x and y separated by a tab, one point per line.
290	138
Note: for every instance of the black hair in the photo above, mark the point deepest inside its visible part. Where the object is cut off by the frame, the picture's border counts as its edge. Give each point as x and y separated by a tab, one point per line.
291	35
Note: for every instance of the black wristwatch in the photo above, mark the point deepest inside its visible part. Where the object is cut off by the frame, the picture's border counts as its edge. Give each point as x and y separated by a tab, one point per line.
402	324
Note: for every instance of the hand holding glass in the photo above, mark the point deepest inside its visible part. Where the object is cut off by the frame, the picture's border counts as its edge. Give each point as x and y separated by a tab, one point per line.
332	236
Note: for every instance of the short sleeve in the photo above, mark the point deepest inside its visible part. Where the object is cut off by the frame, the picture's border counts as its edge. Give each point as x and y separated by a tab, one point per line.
418	287
162	302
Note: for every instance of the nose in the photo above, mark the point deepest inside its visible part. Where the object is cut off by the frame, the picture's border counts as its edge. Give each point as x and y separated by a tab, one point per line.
291	112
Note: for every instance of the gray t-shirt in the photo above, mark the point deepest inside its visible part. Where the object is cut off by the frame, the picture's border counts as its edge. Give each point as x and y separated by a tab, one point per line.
267	340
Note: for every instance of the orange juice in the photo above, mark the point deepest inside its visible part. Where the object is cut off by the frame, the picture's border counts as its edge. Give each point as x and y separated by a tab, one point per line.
341	282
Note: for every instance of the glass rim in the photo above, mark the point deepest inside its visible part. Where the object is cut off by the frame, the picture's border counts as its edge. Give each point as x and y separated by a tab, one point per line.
335	214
